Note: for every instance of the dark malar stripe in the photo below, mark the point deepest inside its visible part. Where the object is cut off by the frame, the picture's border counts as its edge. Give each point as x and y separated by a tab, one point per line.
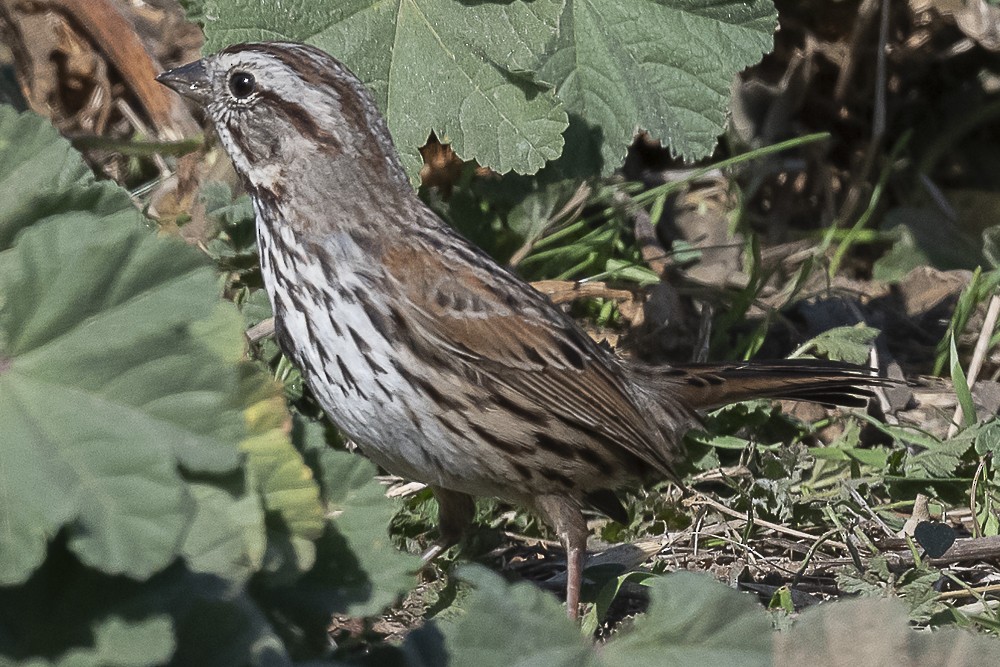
301	61
241	142
267	200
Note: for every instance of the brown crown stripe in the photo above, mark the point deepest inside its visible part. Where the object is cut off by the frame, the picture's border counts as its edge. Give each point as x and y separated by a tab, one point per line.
240	140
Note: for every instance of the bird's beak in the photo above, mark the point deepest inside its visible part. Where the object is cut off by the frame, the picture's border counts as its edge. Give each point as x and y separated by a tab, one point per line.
189	80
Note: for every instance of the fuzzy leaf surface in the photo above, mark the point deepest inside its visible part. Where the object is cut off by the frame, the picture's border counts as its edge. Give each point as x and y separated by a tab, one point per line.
463	70
108	385
695	621
663	66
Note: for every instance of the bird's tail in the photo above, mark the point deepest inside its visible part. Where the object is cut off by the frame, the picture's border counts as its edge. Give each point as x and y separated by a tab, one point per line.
705	386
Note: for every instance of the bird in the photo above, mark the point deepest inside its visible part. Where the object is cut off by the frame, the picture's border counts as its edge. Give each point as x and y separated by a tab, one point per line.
443	366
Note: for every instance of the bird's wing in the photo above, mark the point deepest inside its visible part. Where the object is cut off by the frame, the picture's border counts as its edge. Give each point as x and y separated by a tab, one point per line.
465	312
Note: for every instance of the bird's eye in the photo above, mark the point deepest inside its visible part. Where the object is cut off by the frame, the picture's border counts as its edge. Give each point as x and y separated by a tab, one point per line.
242	84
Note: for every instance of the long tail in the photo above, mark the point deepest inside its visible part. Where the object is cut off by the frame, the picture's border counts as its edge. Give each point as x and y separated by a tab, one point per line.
704	386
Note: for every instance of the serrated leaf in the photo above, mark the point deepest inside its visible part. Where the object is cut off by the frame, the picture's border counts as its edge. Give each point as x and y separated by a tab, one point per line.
665	67
106	384
462	70
940	460
694	621
850	580
851	344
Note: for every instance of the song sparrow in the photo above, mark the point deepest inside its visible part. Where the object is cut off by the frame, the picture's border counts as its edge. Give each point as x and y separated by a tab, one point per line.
443	366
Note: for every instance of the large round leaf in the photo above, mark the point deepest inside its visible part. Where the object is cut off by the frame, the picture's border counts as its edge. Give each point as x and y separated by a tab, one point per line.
109	380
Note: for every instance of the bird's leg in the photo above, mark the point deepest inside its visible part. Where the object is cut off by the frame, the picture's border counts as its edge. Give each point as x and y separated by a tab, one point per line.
564	515
455	513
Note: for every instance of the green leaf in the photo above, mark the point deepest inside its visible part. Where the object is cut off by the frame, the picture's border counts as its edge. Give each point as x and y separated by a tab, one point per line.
41	174
782	599
502	625
598	611
643	276
68	609
939	460
462	70
277	469
530	216
695	621
924	236
876	632
665	67
962	390
478	73
108	383
851	344
981	287
357	563
126	643
226	536
988	438
119	643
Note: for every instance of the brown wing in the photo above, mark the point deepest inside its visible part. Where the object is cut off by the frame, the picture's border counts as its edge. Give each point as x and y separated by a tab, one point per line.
464	313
